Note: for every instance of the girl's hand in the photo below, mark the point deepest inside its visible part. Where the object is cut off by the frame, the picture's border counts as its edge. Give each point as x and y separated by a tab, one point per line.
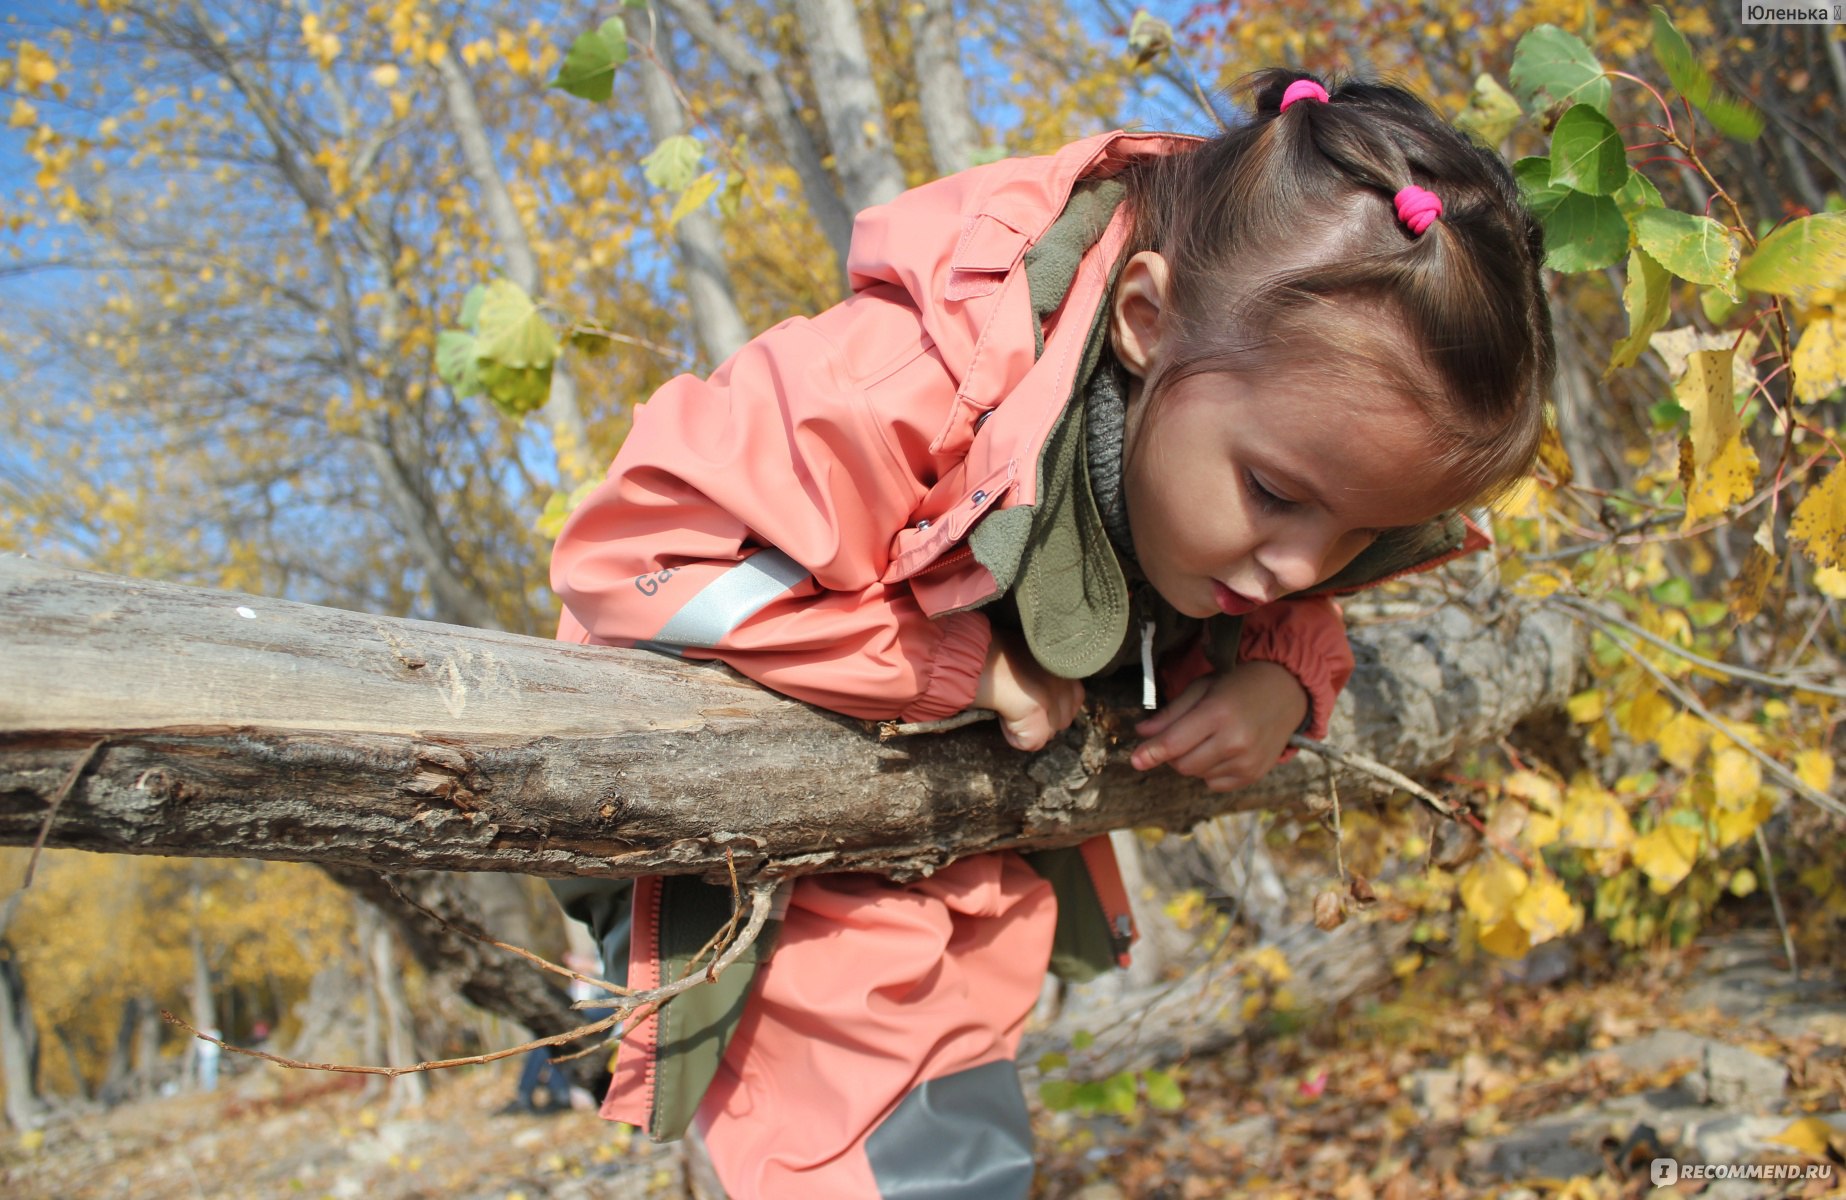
1226	729
1033	703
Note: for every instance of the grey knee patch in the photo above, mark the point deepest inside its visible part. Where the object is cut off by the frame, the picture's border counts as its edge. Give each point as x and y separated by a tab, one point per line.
965	1136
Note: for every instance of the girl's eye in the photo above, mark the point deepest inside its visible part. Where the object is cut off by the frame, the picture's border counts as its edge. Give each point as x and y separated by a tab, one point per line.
1265	499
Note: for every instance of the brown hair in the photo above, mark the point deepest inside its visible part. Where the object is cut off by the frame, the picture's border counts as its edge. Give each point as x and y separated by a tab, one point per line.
1284	249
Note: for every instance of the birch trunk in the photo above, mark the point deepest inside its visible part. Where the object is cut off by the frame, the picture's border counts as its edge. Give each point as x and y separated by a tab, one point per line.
849	102
700	245
823	199
942	89
18	1048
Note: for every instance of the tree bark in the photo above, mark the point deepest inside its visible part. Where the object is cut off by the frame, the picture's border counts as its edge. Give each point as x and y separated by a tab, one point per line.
18	1047
824	202
942	88
562	413
720	326
197	722
849	102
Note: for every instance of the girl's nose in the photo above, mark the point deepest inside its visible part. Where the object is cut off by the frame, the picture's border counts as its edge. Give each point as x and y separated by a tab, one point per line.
1294	562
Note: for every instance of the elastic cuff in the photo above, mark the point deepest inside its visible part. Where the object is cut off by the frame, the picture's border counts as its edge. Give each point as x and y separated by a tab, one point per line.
1320	678
955	671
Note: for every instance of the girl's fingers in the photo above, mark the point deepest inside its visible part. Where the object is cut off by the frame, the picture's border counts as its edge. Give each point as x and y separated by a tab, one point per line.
1177	708
1181	739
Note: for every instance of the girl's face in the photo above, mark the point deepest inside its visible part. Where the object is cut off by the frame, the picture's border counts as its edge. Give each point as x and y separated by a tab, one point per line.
1243	490
1240	492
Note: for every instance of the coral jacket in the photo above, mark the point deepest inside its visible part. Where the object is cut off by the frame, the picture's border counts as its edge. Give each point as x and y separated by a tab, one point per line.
802	514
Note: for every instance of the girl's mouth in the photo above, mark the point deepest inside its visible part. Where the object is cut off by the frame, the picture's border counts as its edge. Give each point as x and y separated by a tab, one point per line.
1235	604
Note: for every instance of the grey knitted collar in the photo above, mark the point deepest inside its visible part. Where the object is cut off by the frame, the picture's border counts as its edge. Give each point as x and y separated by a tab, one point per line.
1105	410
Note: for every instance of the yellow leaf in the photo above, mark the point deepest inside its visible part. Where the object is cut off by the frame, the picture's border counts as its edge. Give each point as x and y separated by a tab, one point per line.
1830	581
23	114
1747	590
1730	826
33	67
1273	963
386	75
1666	855
1743	882
1682	739
1646	716
1489	888
1594	819
1705	393
1675	347
1545	911
1819	364
1507	939
1735	776
1406	965
1815	768
1585	707
1810	1135
1540	583
1729	479
1819	522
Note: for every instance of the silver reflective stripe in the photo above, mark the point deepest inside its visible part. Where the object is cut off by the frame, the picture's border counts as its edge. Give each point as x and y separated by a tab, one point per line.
728	601
965	1136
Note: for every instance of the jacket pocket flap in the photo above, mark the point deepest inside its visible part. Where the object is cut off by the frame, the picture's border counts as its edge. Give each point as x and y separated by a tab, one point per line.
917	547
989	248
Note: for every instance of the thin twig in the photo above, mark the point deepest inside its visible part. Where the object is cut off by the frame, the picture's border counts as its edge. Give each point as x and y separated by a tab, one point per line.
890	729
1373	767
477	935
1787	777
1775	901
1582	609
556	1039
57	802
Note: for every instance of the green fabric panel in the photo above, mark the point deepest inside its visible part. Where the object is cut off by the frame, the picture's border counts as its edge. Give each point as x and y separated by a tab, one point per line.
999	542
1081	947
1398	550
696	1025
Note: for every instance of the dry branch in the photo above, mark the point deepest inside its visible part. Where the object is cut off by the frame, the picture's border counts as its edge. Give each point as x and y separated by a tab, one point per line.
242	726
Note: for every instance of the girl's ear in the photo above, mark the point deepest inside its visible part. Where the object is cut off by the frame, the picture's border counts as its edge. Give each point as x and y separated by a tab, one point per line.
1138	312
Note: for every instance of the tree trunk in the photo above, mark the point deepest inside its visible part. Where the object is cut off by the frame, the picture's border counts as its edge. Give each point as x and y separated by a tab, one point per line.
849	103
18	1047
942	89
119	1074
720	326
400	1036
817	188
196	722
562	414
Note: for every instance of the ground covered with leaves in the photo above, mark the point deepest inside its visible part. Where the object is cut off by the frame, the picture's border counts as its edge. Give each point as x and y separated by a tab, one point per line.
1460	1082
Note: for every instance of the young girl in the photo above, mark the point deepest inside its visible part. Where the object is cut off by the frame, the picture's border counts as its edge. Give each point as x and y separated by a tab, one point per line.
1149	389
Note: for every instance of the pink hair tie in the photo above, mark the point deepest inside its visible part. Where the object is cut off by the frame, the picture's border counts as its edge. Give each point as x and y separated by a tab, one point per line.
1417	208
1303	89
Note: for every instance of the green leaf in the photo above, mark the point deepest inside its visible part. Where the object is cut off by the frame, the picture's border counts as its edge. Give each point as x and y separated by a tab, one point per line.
1582	232
1692	247
1675	57
1491	113
1163	1091
513	334
1054	1061
1552	67
1587	154
1729	115
731	199
1058	1095
589	69
674	163
1083	1039
1645	297
455	364
516	391
471	308
1120	1095
1717	307
1807	253
1089	1097
1734	117
1637	193
697	193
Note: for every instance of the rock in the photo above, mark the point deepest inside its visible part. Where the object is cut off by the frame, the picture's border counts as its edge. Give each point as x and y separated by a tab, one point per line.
1256	1133
1553	1148
1436	1093
1721	1073
1733	1139
1657	1050
1824	1021
1737	1078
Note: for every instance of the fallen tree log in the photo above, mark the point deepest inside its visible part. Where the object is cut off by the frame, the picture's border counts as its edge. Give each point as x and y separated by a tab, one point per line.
165	719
